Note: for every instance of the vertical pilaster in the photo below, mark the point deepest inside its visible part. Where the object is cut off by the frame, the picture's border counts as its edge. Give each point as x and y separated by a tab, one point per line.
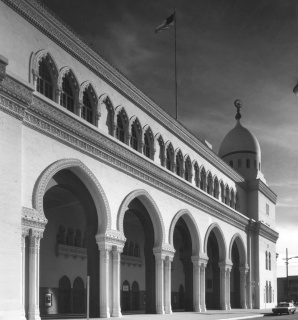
196	284
167	286
25	233
203	265
34	243
159	282
116	312
249	279
104	309
243	272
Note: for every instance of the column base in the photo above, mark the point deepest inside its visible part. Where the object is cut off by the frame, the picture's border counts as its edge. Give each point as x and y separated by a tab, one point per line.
168	311
203	308
197	309
104	314
116	313
33	315
160	311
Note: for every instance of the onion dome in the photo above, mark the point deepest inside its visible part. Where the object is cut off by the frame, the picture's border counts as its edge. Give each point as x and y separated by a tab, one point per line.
241	150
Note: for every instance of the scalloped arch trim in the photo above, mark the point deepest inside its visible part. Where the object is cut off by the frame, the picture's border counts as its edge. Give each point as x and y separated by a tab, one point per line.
90	181
220	240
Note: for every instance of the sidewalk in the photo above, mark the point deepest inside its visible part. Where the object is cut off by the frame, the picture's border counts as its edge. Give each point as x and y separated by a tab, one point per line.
234	314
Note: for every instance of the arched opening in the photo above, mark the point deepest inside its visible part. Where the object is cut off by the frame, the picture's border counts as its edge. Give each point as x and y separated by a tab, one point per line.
182	274
235	278
212	284
138	260
64	295
135	296
78	296
125	296
68	245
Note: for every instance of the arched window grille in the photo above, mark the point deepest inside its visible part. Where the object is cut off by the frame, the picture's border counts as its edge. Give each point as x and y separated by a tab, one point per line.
179	166
60	238
44	80
134	138
87	112
67	99
120	129
146	148
169	157
232	203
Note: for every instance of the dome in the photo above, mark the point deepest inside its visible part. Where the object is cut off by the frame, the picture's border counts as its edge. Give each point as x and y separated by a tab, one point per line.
239	140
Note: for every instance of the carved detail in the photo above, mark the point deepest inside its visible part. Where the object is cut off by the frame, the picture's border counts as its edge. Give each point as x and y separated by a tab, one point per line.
129	260
12	108
62	249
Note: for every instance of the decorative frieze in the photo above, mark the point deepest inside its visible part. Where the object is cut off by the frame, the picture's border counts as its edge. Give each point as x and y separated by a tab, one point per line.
71	251
31	218
130	260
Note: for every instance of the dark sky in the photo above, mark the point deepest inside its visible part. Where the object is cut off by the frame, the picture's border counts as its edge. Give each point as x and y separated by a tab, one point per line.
226	50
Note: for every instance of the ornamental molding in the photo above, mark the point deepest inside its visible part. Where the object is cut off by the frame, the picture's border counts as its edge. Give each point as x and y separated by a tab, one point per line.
262	187
43	117
32	219
57	30
12	108
129	260
16	90
42	182
266	232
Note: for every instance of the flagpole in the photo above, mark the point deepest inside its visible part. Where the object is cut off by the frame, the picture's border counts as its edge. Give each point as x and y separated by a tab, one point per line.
176	103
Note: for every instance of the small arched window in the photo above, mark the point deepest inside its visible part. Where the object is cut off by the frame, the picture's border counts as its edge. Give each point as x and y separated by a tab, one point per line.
269	261
161	150
169	157
266	260
247	163
227	196
60	238
231	163
215	188
67	99
120	129
78	238
44	80
70	237
134	138
197	175
232	203
203	179
187	170
209	184
222	192
87	112
148	144
179	164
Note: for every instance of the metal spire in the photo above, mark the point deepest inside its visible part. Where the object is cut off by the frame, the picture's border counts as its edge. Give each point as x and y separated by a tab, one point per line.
238	104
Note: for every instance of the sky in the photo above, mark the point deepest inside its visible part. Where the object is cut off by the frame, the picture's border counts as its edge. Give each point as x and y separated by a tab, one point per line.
226	50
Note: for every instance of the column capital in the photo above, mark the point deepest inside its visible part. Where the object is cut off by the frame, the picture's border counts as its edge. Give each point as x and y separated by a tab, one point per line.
244	269
36	233
225	265
166	251
110	239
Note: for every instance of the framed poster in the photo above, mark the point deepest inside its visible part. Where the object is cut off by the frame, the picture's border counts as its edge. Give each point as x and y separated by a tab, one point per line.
48	300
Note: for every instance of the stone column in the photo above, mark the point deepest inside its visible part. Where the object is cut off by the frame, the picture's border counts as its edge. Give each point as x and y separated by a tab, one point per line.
243	272
34	242
80	108
104	280
116	312
196	284
58	93
159	282
203	264
249	258
167	285
25	233
223	289
228	288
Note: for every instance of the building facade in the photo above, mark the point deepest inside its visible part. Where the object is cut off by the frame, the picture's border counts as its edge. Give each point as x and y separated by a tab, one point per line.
99	183
287	289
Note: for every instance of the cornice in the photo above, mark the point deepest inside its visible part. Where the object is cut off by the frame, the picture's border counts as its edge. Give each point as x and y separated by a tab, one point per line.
55	123
36	13
262	187
266	232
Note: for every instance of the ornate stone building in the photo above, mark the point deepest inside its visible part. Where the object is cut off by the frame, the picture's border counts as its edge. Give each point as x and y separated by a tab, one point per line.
97	180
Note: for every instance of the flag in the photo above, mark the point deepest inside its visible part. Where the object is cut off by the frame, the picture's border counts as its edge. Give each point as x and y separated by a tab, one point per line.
166	24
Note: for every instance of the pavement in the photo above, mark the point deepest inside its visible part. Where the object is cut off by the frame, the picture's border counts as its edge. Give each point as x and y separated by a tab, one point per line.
234	314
